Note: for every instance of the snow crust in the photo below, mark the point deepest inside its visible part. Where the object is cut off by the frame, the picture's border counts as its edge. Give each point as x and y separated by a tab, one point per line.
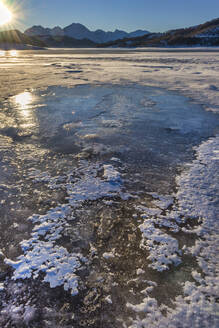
164	249
195	199
44	256
41	253
194	74
92	187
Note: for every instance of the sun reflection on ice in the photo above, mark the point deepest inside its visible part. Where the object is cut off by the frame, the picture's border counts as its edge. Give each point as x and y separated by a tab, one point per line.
23	100
13	53
24	103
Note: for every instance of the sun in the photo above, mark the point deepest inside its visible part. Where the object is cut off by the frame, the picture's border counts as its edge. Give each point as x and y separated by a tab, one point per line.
5	14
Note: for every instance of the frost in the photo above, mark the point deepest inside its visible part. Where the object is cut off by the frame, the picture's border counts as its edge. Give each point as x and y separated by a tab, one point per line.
92	187
197	190
147	211
162	201
108	255
163	249
41	254
192	310
29	314
108	299
110	174
140	271
44	256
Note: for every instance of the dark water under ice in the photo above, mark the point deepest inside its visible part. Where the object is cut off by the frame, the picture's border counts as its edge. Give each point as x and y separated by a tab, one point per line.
146	127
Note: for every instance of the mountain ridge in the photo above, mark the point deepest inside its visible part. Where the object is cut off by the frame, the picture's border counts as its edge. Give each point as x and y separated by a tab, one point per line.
206	34
80	32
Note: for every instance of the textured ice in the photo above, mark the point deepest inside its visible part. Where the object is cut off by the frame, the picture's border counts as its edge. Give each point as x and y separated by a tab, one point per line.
91	187
194	74
58	265
41	254
162	201
147	211
108	299
44	256
29	314
18	315
195	309
163	249
108	255
44	177
110	174
196	198
198	187
139	271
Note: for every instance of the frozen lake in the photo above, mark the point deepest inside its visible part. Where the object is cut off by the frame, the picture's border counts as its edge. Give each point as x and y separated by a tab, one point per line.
108	190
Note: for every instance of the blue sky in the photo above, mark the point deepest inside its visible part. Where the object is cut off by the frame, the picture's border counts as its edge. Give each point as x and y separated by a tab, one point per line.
152	15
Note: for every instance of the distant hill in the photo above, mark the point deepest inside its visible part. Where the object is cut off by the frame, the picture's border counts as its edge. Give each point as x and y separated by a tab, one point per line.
14	39
67	42
80	32
206	34
17	38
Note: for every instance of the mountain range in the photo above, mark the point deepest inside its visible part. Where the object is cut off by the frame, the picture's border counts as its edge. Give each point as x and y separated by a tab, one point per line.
77	35
206	34
80	32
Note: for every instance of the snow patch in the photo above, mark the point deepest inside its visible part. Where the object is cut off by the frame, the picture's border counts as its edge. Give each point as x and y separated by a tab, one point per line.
108	255
58	265
163	249
196	198
92	187
41	254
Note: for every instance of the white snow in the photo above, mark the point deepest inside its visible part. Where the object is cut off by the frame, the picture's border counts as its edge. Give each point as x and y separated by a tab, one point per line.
41	254
110	174
92	187
108	299
196	198
193	73
29	314
163	249
162	201
140	271
108	255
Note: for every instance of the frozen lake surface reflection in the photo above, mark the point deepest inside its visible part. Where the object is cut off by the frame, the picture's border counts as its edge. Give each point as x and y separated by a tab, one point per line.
107	235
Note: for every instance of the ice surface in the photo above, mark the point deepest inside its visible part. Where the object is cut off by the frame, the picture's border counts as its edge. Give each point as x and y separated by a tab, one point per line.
108	255
197	307
91	187
164	249
136	136
40	255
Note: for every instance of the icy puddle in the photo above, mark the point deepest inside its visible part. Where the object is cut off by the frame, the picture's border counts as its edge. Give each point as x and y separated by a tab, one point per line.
108	209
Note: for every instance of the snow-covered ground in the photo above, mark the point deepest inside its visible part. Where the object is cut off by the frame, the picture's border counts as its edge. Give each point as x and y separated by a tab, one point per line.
109	196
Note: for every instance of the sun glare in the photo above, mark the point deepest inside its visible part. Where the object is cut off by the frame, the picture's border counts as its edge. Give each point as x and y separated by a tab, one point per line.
5	14
23	100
